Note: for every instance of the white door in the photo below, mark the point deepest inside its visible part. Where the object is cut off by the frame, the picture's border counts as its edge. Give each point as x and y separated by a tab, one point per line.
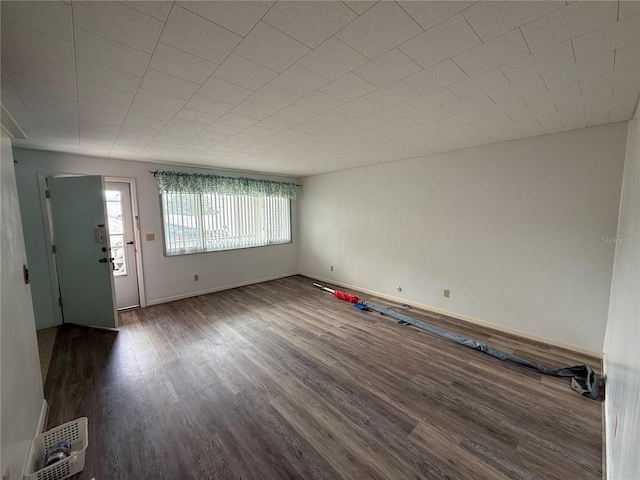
122	241
81	237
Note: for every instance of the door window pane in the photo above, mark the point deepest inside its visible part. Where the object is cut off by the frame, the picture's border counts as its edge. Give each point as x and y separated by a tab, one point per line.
116	232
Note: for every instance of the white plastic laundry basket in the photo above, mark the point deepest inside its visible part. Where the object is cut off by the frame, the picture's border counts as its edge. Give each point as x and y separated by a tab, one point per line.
76	433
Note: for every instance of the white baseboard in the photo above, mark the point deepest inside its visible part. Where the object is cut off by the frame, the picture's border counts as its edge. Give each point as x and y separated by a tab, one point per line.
465	318
217	289
43	418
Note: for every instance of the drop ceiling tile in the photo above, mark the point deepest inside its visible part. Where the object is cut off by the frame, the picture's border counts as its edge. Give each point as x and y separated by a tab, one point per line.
348	88
518	89
581	70
181	64
435	77
492	19
332	59
196	116
177	132
433	99
358	107
155	8
310	22
379	29
359	6
260	132
159	100
541	62
479	83
429	14
355	125
190	32
499	51
134	129
613	36
346	130
35	102
35	44
185	125
428	116
208	105
627	57
310	127
388	68
106	108
469	104
441	42
151	112
146	122
568	22
318	102
24	65
224	91
628	8
619	78
89	118
52	18
332	118
236	120
104	94
273	97
36	86
239	17
95	125
271	48
223	128
397	111
294	114
99	50
108	77
245	73
298	80
275	124
392	94
553	94
119	23
168	84
253	110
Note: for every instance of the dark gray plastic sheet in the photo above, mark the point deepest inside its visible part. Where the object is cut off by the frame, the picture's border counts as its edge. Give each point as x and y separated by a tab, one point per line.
584	380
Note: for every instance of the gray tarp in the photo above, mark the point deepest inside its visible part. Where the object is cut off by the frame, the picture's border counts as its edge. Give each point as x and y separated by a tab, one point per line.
584	380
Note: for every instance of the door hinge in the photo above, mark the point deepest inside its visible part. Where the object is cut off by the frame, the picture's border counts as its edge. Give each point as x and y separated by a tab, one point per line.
54	249
47	193
60	301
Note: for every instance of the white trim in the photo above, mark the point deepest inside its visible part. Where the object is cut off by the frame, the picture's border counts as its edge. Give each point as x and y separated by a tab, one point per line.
9	125
465	318
218	289
142	300
43	417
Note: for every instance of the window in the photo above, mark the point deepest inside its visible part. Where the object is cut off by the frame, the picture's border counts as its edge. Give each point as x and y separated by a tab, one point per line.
116	233
204	222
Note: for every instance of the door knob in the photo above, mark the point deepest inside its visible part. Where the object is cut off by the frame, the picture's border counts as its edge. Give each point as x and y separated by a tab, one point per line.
130	243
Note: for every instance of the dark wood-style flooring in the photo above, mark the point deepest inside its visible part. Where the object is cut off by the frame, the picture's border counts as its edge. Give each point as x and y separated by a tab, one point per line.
282	381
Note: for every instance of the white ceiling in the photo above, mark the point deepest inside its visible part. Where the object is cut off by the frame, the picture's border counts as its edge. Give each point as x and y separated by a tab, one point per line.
301	88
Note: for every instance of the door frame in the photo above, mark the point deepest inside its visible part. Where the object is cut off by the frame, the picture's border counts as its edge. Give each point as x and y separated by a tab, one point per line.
136	233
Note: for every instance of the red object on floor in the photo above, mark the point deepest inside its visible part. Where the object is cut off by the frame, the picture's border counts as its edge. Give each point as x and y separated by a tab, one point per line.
347	297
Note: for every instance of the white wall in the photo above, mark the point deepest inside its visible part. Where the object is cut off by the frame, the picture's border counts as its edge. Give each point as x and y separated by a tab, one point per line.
622	345
21	383
513	229
166	278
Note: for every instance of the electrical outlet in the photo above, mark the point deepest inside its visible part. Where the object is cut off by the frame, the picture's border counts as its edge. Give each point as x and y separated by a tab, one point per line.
150	237
331	268
446	293
196	278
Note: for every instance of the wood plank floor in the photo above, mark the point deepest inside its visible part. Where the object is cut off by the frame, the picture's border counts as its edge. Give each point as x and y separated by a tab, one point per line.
282	381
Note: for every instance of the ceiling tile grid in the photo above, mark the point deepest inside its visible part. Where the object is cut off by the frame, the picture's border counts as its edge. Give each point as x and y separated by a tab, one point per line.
300	88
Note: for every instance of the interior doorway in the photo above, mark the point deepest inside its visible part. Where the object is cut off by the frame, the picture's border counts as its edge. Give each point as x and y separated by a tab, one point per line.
123	243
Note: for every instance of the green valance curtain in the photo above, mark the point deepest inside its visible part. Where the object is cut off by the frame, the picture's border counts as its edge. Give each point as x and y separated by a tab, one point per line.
172	182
